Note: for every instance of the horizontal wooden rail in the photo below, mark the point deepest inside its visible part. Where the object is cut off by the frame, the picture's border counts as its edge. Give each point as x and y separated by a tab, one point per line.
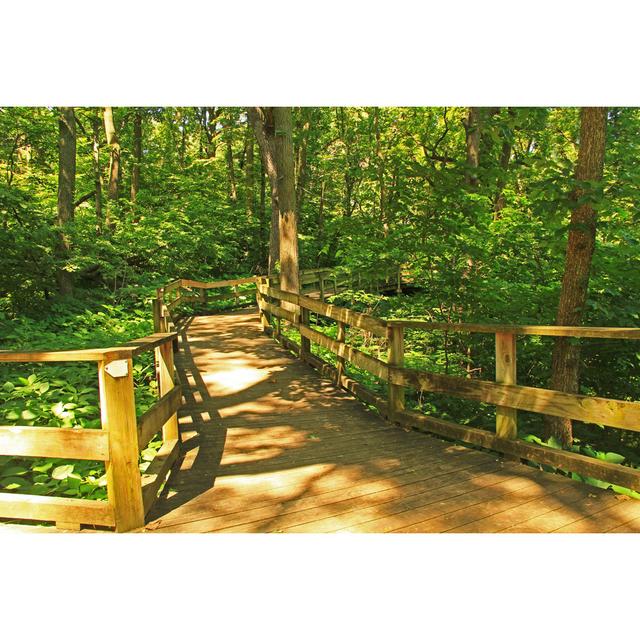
218	284
565	460
129	349
340	314
48	508
530	330
356	357
117	444
54	442
504	393
613	413
154	419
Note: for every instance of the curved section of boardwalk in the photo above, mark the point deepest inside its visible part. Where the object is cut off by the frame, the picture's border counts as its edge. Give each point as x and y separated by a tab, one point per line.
269	446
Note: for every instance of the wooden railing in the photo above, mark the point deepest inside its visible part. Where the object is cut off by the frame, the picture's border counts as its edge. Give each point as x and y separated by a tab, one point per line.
122	436
325	282
504	393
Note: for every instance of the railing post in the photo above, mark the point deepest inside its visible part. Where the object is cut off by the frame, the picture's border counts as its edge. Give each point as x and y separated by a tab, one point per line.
157	315
399	280
321	283
395	337
118	415
305	343
341	337
166	382
506	417
203	296
264	320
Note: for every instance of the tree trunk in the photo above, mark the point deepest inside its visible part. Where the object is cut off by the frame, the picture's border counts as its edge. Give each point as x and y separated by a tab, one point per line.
114	162
231	174
505	157
261	119
321	232
66	191
301	157
137	155
380	171
289	277
580	247
262	217
97	174
249	177
210	130
472	129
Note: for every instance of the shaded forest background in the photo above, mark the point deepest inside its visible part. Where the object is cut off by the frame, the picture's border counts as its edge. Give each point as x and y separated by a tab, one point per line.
474	203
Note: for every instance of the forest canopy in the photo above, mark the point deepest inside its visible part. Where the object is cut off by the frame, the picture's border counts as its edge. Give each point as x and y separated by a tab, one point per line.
513	215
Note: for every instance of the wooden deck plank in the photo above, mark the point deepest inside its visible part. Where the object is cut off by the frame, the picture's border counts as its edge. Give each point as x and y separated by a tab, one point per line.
268	445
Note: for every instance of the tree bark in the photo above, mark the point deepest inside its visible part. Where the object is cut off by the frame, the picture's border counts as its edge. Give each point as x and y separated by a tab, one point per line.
580	248
261	119
262	217
472	129
301	157
249	177
114	162
289	276
380	168
137	154
231	174
66	191
97	174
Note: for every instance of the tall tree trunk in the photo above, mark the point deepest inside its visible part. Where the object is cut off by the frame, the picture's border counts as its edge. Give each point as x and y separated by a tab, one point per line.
249	177
114	161
66	192
261	119
262	217
301	156
380	171
97	174
289	276
505	157
250	193
212	115
472	130
231	174
321	232
137	154
580	247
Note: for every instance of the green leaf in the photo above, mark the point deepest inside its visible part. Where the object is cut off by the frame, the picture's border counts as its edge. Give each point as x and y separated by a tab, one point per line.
8	386
12	471
614	457
27	415
553	443
62	472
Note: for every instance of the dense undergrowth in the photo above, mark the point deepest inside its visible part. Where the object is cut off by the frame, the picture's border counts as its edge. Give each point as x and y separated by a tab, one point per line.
66	394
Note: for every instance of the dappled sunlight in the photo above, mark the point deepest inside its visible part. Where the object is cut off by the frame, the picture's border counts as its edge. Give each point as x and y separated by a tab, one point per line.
234	379
269	446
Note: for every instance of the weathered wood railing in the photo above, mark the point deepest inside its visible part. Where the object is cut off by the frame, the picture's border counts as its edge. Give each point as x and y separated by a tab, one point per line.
325	282
130	494
504	393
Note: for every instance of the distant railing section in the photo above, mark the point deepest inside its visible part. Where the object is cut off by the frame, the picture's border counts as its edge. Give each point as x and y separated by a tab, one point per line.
324	282
122	436
504	393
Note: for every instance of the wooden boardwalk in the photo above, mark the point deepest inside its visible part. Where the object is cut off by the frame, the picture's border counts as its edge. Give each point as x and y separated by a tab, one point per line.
269	446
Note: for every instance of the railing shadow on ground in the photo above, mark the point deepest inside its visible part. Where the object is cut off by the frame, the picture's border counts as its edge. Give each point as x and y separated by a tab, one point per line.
265	443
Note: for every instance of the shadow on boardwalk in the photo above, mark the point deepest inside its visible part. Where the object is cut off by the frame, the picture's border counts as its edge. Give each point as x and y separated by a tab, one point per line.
270	446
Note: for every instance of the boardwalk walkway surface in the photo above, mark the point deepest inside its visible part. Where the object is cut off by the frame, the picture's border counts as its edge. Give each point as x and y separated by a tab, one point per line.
269	446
